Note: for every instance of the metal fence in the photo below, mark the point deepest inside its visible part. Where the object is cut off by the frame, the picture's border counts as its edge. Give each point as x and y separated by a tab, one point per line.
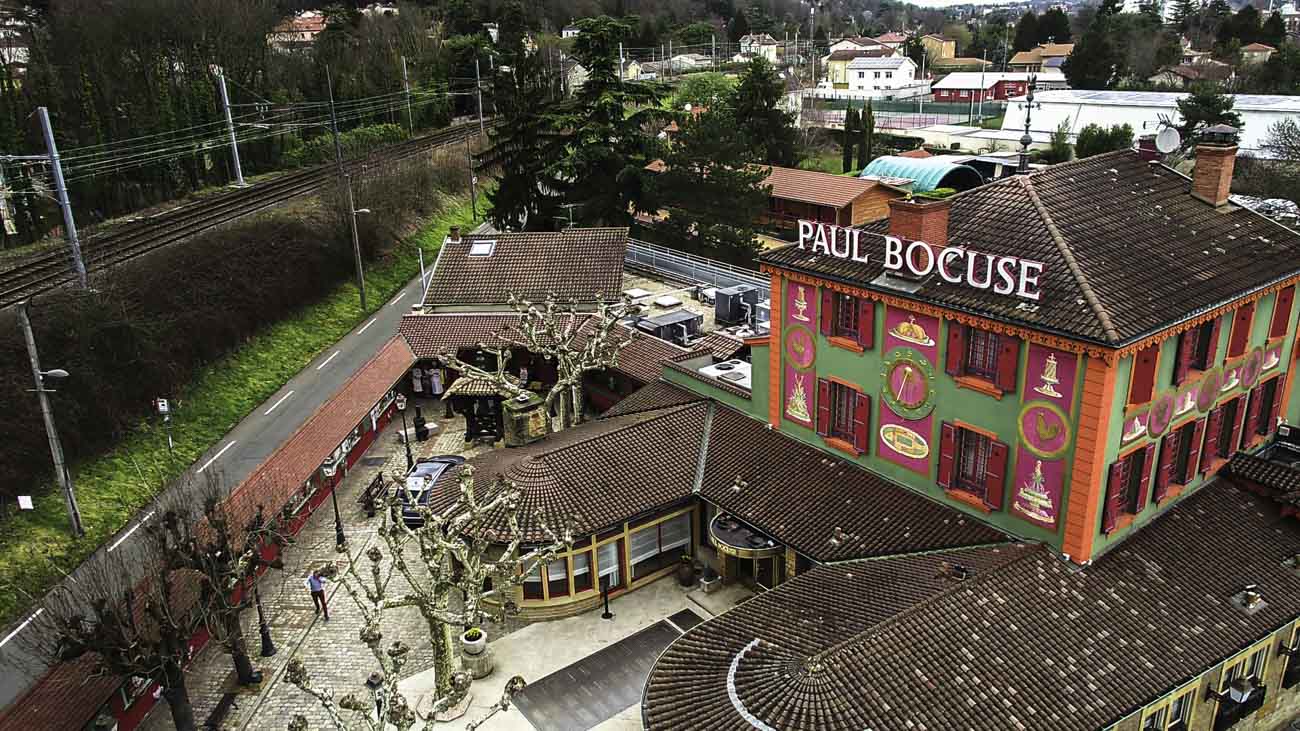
689	268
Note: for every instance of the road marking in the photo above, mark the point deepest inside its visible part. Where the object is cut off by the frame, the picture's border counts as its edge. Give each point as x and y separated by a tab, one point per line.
367	325
127	534
276	405
398	297
21	627
327	360
215	456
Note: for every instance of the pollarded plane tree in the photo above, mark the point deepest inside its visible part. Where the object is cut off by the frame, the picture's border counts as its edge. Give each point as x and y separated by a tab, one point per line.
446	562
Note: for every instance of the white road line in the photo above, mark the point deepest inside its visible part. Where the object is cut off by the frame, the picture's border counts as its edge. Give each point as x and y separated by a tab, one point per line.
21	627
127	534
215	456
276	405
327	360
398	297
367	325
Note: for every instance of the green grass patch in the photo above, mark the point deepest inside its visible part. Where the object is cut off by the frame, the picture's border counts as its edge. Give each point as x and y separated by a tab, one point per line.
36	547
992	122
826	162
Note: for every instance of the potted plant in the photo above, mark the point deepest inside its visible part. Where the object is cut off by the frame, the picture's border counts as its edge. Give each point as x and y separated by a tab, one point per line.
473	640
686	571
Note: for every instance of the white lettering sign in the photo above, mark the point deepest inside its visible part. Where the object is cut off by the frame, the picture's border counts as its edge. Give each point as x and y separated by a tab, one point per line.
1006	275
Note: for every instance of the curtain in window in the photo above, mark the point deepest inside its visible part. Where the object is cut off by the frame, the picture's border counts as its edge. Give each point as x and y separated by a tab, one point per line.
676	532
582	572
607	561
644	544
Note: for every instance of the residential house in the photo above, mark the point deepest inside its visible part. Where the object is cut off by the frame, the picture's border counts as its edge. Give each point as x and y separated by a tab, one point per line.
837	63
1184	75
570	31
759	44
881	74
298	32
1256	53
683	62
938	48
958	64
1291	18
990	85
807	194
632	69
893	39
575	74
856	43
380	10
493	30
1043	57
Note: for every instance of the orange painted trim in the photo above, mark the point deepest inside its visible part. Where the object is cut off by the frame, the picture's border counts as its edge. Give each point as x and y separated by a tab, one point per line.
972	428
1134	450
843	446
840	341
1087	483
1248	326
981	385
775	373
843	382
966	498
1204	318
757	340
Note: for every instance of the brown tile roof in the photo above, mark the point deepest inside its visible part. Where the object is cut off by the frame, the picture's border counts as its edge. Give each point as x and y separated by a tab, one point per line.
430	334
1031	643
1153	255
1258	47
576	263
1274	479
651	397
810	186
918	153
720	344
1199	71
65	698
283	474
850	54
891	37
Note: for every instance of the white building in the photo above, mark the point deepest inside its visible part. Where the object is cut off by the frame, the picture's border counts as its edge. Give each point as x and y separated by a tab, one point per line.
856	44
570	31
759	44
1142	110
881	74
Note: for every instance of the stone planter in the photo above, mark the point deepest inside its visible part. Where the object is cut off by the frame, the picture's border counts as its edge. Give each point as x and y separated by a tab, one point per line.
473	647
686	572
711	585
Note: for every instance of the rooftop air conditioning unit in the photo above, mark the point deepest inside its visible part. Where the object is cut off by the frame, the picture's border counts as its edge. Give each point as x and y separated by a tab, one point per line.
680	327
735	305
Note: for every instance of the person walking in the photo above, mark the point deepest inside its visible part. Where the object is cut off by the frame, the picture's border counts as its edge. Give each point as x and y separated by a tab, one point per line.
316	585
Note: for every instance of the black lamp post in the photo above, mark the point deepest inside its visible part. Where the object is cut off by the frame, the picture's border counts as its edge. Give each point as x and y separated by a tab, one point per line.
340	541
604	591
376	685
406	436
268	647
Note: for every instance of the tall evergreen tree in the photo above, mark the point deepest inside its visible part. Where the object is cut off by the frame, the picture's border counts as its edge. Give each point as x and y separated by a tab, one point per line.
524	148
1096	62
867	145
1054	27
1274	31
738	27
1184	14
1206	106
768	129
850	139
1026	32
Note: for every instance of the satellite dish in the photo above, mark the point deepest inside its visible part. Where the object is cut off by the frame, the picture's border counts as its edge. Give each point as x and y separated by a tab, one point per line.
1168	140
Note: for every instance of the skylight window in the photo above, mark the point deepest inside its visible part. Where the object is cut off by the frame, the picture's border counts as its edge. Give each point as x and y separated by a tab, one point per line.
482	248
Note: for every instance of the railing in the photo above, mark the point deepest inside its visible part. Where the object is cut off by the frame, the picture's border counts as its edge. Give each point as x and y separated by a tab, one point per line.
689	268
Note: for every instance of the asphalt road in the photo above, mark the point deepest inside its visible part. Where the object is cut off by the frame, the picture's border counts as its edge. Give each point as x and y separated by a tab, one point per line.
236	456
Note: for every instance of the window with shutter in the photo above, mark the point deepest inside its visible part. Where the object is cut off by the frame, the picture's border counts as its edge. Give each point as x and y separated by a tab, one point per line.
846	316
973	453
955	358
861	422
1281	321
1213	428
1186	354
1274	402
1008	363
1254	415
995	481
1142	383
1147	457
1114	508
823	406
843	405
1232	421
1241	324
982	349
1170	449
827	314
947	455
1194	452
866	323
1208	349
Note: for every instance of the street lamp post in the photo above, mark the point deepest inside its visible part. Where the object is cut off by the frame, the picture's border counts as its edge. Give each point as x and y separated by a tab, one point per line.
51	431
268	647
406	437
340	541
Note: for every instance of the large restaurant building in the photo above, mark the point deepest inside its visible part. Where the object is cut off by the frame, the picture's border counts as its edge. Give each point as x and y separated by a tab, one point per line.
1004	460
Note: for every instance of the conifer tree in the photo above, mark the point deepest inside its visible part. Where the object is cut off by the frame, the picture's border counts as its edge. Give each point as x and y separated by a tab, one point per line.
867	145
850	139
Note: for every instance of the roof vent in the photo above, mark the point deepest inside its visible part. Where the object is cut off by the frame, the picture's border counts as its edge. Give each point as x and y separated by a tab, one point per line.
955	571
1249	599
482	248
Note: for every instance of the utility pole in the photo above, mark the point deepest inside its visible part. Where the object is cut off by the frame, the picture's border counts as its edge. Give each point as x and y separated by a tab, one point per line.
345	181
406	86
713	52
51	432
473	181
478	89
230	129
61	189
620	63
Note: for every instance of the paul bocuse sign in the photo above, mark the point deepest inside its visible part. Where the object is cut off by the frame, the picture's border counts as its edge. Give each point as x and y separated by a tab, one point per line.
1009	275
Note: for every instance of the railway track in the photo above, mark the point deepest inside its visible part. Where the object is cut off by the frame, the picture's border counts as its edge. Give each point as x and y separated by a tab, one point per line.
136	238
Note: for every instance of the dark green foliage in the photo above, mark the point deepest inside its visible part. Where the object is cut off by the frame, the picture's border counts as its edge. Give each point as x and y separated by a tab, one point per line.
850	139
524	147
867	145
1054	27
695	34
738	27
1206	106
354	142
1184	14
1244	27
768	130
1280	74
1060	145
1094	140
1273	32
915	50
1097	62
1026	36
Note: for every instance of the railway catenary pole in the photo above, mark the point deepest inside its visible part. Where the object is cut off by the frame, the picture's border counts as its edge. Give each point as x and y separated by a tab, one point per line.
345	183
61	189
406	86
230	129
478	91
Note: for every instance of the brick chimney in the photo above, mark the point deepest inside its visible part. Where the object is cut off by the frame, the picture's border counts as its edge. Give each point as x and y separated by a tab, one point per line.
1215	158
918	219
453	235
1147	148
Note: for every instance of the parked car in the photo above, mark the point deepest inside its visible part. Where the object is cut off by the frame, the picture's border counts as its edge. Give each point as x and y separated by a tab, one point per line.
419	486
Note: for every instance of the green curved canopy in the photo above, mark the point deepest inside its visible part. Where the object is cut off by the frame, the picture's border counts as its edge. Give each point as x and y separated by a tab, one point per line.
928	172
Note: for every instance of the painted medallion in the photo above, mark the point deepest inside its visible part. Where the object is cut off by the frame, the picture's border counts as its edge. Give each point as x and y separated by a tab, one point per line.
1044	429
1135	426
1162	413
799	346
907	383
904	441
1208	392
1251	369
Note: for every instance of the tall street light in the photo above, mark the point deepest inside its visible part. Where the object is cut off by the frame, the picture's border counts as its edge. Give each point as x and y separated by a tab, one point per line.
268	646
340	541
406	438
51	431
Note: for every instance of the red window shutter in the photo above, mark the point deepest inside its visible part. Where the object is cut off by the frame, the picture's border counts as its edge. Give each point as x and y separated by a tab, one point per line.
1114	497
861	421
1213	428
1234	440
1282	312
1186	351
1212	353
866	322
1250	427
1194	454
828	310
1142	386
1241	323
1275	408
995	476
823	406
955	359
1008	362
1144	487
947	455
1169	447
